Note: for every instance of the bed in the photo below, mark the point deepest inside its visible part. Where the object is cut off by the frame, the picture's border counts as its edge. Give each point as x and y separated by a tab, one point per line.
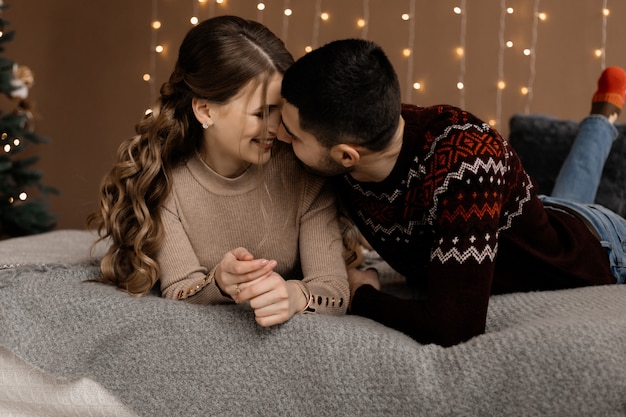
74	348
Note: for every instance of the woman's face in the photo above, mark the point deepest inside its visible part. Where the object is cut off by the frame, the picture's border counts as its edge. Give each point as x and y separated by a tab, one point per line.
236	137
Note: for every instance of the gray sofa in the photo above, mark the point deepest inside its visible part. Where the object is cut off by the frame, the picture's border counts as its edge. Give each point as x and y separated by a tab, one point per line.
542	142
101	352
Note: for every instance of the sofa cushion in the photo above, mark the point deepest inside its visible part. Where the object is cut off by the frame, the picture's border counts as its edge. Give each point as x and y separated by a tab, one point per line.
542	142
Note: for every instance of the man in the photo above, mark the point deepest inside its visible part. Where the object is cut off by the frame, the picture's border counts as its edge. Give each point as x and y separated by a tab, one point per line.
442	198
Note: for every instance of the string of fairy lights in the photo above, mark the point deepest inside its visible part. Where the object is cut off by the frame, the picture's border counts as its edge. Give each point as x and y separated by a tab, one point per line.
601	52
462	11
537	16
413	85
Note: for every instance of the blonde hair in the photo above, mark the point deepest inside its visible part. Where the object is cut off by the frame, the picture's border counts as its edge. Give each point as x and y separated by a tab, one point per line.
216	59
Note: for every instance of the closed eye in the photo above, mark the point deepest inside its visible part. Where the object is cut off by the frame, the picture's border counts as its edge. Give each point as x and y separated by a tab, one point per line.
270	109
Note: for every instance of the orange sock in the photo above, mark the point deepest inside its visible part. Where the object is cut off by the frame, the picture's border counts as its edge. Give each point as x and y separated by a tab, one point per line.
611	87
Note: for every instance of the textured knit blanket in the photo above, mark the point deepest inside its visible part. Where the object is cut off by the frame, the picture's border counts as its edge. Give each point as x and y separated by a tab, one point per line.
557	353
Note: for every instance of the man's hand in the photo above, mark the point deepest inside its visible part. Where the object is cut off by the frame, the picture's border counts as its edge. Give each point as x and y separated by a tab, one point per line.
357	278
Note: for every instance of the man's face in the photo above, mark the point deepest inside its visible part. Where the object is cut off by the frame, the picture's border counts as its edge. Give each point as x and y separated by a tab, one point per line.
306	146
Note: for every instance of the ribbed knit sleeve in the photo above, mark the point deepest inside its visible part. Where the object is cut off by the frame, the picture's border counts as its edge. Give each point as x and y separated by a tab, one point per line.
321	249
182	275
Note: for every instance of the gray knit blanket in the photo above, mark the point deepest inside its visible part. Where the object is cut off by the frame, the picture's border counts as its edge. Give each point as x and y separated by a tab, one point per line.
559	353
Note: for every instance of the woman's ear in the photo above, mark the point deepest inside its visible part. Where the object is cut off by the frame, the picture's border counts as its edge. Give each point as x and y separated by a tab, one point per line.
202	111
346	155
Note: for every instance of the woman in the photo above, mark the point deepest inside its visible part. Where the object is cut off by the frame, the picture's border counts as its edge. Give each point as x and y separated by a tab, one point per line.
205	200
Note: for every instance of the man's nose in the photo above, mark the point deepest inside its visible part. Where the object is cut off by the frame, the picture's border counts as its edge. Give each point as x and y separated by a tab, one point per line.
282	135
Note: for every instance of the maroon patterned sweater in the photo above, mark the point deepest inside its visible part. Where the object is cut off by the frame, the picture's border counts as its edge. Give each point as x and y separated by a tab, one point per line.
459	217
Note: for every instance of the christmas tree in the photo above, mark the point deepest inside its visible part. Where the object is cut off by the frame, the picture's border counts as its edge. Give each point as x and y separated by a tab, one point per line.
23	209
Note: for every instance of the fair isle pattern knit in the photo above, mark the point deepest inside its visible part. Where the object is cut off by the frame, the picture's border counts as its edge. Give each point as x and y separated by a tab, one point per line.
449	201
459	217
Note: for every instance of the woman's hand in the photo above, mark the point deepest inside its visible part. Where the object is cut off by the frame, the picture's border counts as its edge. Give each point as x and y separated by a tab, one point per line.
273	299
246	279
238	269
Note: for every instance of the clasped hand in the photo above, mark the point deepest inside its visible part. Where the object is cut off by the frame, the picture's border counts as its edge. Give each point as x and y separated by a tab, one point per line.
246	279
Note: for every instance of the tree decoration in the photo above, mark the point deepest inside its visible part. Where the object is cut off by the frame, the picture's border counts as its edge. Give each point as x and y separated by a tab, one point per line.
23	208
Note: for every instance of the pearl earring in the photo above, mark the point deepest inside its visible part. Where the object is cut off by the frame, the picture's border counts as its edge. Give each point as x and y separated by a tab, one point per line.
205	125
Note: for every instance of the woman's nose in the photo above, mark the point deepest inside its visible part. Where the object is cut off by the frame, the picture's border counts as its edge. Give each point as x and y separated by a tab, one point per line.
273	122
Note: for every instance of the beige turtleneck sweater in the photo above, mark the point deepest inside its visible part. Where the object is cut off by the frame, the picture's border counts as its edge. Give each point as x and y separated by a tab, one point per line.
282	213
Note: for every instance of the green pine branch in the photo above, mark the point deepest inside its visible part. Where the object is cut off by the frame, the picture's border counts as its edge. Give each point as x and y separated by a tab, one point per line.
23	206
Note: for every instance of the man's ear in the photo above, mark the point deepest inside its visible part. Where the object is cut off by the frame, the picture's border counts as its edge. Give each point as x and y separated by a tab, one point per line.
347	155
202	111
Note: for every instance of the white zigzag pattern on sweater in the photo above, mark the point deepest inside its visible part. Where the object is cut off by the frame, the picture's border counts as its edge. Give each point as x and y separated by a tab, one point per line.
481	128
389	231
461	257
520	207
497	167
384	196
415	174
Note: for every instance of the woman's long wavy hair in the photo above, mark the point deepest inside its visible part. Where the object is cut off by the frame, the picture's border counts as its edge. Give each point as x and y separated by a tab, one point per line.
216	59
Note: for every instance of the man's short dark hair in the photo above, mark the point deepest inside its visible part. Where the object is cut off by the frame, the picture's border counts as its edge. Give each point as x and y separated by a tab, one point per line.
347	91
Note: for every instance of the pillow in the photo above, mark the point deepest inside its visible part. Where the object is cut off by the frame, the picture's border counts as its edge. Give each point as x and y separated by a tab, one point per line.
542	143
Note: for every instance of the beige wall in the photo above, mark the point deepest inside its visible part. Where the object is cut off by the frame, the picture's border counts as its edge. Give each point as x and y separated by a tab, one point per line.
88	58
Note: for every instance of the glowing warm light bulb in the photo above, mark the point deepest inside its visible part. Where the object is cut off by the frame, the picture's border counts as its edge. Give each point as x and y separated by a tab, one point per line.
193	20
7	148
156	25
598	53
159	48
606	12
146	77
527	52
509	10
491	122
260	6
288	12
417	86
460	85
23	196
16	142
542	16
524	90
361	23
325	16
460	51
406	52
501	85
405	16
219	1
509	44
201	1
457	10
308	49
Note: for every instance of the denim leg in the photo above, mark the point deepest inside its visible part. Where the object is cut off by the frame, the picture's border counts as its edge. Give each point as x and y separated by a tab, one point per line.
611	228
581	171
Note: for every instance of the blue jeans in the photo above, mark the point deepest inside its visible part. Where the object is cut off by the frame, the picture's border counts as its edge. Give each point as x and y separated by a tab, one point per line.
578	181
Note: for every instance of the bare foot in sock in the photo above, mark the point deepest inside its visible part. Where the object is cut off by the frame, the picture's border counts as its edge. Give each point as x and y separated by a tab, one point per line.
608	99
